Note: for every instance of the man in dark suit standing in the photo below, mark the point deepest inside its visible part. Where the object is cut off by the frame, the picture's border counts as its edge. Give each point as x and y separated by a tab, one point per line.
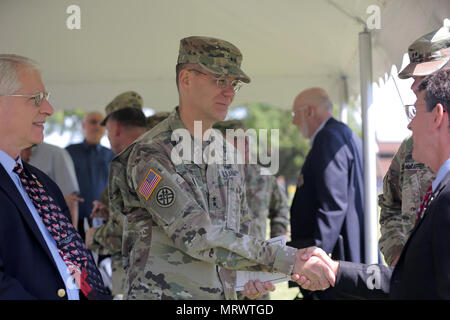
327	209
423	269
41	254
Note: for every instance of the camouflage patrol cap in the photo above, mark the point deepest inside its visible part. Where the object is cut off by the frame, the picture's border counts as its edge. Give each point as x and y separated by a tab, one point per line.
129	99
153	120
428	54
217	56
222	126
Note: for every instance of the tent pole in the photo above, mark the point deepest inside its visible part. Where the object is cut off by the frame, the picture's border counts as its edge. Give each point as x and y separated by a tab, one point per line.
343	108
370	182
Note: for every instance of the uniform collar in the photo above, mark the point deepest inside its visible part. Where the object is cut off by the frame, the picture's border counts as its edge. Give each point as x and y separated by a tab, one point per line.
175	120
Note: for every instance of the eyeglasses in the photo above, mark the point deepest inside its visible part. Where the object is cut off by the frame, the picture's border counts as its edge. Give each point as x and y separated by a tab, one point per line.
222	82
38	97
410	110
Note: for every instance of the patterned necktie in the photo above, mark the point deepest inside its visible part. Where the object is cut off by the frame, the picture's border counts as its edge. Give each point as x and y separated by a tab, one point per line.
69	243
424	204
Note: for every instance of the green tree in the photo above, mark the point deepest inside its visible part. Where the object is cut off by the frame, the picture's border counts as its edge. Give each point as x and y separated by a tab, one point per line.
293	148
63	121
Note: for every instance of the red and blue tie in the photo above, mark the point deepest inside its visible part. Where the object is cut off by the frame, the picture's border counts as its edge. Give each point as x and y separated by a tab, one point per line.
424	204
69	243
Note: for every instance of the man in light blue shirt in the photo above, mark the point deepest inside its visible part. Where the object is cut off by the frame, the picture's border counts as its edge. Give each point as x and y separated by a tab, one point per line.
35	234
8	164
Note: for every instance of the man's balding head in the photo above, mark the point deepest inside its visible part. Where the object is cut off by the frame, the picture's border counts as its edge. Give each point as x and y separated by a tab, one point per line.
92	130
315	97
311	107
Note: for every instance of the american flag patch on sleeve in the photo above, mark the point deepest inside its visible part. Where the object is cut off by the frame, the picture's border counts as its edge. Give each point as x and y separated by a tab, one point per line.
149	184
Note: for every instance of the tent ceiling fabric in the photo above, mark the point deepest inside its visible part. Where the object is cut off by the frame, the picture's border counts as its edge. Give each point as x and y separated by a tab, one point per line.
288	45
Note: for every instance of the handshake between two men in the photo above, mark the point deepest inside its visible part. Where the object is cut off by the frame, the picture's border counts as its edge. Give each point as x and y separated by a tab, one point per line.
313	270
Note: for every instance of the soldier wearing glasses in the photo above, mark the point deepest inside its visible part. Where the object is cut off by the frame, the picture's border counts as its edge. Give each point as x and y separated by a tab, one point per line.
407	181
186	222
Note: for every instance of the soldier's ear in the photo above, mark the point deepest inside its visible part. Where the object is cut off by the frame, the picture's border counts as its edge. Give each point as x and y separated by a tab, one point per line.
184	79
440	116
117	128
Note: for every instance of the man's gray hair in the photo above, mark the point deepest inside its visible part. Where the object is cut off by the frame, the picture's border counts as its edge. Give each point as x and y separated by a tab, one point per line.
9	65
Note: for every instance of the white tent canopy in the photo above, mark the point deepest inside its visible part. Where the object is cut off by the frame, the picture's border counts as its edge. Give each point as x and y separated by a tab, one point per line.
288	45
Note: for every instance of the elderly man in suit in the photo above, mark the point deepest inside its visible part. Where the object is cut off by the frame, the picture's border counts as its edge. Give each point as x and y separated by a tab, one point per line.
423	269
327	209
41	254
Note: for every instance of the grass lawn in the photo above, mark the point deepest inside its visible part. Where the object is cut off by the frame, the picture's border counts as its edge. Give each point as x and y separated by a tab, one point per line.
283	292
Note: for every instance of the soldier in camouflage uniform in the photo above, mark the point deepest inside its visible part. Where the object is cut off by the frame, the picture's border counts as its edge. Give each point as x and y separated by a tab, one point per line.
185	218
153	120
407	181
265	198
125	122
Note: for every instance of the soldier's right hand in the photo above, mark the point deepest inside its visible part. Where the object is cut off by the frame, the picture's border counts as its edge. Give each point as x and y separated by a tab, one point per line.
99	210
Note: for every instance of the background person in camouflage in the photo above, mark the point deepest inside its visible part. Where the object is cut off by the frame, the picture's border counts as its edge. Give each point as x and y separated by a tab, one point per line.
407	181
265	198
125	122
153	120
184	219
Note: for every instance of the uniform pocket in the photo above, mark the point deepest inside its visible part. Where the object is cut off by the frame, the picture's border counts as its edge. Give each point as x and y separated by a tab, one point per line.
233	204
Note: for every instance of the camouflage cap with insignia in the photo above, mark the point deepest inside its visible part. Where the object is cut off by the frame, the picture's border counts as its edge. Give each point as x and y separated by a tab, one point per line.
153	120
428	54
217	56
222	126
129	99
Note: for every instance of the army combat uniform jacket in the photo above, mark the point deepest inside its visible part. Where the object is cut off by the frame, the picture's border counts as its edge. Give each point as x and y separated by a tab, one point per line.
107	240
266	200
182	221
404	187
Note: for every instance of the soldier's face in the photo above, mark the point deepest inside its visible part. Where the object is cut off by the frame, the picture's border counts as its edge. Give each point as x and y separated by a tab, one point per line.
420	126
22	122
211	101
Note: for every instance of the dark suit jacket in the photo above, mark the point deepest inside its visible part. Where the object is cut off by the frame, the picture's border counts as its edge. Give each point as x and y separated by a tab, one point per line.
27	268
423	269
329	204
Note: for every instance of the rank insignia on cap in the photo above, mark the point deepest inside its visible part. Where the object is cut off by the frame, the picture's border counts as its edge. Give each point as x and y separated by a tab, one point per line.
149	184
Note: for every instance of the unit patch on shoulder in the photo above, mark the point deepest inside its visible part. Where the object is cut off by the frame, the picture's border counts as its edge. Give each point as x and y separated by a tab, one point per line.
149	184
165	197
